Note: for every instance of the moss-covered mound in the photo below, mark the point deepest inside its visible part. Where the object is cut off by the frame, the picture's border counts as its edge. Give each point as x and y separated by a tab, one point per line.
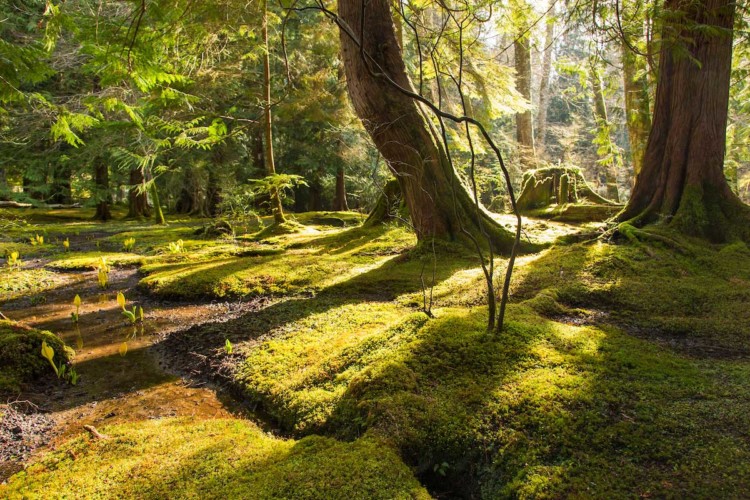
571	400
21	361
665	287
214	459
18	283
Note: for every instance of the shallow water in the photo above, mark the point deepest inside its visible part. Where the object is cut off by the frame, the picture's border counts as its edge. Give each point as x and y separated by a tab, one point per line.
122	378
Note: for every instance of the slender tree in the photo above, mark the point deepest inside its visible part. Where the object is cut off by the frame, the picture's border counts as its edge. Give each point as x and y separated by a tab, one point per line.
276	207
137	197
607	149
101	190
636	88
541	117
522	59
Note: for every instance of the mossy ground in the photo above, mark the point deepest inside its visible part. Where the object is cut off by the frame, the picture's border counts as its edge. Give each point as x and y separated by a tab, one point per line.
21	361
311	261
623	371
181	458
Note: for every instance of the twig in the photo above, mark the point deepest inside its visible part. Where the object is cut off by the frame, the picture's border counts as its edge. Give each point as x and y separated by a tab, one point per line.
95	433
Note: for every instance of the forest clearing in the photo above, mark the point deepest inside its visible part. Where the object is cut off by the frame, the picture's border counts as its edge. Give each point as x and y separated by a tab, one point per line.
373	249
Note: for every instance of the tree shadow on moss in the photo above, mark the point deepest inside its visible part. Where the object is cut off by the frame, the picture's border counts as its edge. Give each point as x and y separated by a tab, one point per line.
557	408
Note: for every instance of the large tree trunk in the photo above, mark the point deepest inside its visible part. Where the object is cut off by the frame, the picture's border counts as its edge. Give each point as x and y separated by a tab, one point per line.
137	197
541	117
278	211
101	190
637	113
602	122
683	176
524	121
438	203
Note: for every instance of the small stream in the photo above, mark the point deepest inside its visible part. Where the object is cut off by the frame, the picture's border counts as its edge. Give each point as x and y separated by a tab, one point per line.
122	378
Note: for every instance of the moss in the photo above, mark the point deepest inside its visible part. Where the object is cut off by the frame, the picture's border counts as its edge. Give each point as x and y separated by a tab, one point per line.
694	297
312	262
330	219
554	407
290	226
301	373
214	459
705	212
21	361
73	261
18	283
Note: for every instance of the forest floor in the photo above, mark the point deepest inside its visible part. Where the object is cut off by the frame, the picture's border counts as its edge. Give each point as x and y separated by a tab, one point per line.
304	365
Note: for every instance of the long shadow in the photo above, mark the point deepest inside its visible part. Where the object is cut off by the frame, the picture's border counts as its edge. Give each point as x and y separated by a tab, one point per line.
393	278
553	409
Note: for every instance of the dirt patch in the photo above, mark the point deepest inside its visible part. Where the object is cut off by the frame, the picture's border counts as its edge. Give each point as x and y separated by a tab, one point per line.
23	429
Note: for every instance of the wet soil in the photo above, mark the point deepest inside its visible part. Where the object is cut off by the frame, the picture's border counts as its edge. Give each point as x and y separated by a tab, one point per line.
123	378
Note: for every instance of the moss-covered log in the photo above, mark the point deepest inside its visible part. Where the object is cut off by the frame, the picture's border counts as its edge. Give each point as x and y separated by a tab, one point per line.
562	194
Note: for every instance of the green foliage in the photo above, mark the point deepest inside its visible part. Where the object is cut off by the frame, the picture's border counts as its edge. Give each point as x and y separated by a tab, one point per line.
77	303
176	247
134	315
281	184
12	259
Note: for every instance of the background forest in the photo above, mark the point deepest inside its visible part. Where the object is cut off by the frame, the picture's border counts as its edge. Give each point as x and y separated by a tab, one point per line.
127	102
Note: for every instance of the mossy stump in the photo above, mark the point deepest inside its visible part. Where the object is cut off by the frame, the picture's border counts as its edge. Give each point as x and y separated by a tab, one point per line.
562	193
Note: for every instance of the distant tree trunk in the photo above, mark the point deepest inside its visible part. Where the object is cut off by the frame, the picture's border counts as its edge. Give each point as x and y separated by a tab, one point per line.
4	191
602	122
213	193
258	152
438	203
188	199
315	203
278	210
541	117
524	121
61	185
101	190
137	197
154	191
339	200
682	178
637	113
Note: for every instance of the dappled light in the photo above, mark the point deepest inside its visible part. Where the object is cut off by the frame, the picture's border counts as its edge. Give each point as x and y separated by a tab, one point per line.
367	249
